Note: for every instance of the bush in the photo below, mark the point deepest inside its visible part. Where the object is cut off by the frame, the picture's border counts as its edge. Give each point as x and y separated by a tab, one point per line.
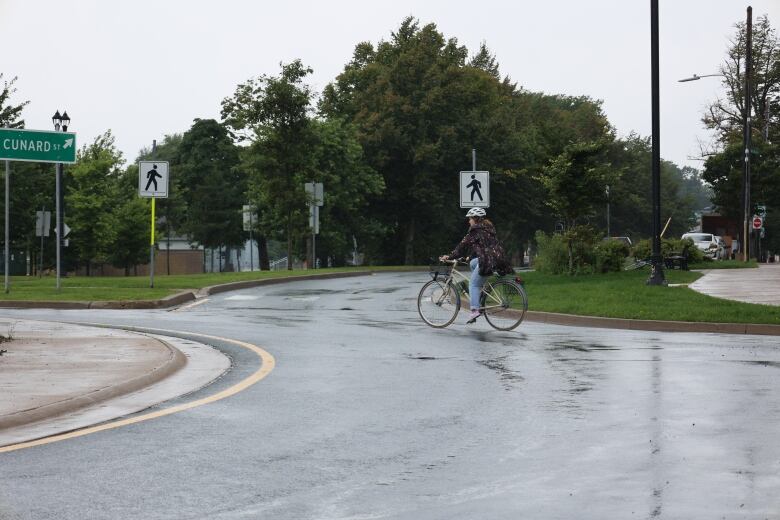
643	249
553	251
552	255
610	255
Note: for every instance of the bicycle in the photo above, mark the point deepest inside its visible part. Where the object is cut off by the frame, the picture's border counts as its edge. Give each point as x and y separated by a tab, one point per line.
503	301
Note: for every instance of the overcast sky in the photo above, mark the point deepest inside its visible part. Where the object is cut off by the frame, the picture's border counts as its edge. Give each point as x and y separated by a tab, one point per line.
147	68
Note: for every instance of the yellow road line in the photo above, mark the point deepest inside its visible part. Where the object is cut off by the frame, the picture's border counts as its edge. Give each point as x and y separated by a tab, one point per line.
268	363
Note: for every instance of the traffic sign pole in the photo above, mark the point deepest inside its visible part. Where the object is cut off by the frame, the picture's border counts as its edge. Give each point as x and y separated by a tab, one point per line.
151	251
7	226
59	221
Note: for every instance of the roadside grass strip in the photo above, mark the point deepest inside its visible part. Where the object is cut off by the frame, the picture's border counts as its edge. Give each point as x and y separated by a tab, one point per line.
625	295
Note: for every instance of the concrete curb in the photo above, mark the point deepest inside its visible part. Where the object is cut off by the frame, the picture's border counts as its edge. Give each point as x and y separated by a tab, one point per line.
176	360
651	325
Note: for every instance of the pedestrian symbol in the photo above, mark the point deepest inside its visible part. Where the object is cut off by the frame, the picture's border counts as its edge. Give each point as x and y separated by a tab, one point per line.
475	185
474	189
153	179
152	175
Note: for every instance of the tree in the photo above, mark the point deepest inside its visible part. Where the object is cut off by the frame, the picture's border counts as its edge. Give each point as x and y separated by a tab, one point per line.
10	114
91	198
726	116
575	182
212	184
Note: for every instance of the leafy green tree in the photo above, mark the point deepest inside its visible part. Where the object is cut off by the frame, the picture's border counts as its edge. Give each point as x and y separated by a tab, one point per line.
273	113
575	182
726	115
10	114
212	184
91	197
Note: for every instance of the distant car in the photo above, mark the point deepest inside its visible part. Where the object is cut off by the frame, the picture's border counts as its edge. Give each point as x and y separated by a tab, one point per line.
706	242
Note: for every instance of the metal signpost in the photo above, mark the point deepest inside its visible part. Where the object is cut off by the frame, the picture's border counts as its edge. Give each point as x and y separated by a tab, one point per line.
42	229
35	146
316	194
152	183
250	217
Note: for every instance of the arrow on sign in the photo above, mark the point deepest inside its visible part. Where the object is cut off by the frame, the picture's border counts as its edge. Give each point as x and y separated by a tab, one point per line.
68	143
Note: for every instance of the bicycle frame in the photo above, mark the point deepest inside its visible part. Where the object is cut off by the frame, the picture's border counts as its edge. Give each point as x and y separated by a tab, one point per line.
456	277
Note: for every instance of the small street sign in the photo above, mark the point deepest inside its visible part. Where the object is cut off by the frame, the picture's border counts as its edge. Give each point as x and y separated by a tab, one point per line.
758	222
315	192
153	179
37	146
250	217
761	209
42	223
474	189
65	230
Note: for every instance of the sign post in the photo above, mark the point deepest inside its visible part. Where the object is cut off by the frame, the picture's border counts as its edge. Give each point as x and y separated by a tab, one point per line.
42	229
152	183
7	225
316	195
249	220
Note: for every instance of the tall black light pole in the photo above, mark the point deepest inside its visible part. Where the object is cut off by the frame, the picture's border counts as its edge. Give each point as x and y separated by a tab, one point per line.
61	123
746	181
656	260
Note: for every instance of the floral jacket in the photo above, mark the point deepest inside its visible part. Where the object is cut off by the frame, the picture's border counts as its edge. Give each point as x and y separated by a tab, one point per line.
481	242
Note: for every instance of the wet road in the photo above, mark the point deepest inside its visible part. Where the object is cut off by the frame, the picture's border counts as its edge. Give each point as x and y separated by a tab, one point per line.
369	414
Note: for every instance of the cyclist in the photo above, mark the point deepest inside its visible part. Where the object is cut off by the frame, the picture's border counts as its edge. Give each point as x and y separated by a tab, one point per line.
487	256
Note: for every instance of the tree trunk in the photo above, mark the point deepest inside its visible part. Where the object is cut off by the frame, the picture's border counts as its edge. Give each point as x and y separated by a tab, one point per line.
409	254
262	253
571	255
88	271
219	258
168	248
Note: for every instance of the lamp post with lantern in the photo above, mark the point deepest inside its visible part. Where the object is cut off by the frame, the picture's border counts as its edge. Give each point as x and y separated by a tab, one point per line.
61	123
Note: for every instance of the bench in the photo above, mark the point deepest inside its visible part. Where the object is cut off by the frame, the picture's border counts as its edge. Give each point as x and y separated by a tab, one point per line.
677	259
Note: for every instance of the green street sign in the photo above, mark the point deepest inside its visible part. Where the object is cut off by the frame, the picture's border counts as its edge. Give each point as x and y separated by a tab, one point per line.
37	146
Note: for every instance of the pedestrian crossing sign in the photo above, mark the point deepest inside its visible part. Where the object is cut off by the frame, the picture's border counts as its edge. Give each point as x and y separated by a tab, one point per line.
153	179
474	189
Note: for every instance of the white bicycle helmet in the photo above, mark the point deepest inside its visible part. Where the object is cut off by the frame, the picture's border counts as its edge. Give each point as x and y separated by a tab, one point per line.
476	212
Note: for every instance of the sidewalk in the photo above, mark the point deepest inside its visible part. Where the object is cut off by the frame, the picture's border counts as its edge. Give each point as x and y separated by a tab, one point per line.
760	285
57	377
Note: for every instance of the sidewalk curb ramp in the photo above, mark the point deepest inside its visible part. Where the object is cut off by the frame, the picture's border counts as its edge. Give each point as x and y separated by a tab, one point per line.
175	361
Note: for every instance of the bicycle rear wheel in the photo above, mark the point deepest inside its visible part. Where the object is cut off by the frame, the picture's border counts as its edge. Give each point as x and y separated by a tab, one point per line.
438	303
505	304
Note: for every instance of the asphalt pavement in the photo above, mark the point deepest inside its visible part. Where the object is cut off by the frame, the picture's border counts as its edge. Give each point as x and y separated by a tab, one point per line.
369	413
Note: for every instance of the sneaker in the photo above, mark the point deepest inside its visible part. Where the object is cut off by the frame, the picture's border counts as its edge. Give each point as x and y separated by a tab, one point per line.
473	315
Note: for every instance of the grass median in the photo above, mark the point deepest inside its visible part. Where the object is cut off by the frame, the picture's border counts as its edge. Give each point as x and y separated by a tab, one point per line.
625	295
134	288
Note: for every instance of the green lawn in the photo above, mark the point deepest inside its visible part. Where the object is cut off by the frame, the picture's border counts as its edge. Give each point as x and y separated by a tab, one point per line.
625	295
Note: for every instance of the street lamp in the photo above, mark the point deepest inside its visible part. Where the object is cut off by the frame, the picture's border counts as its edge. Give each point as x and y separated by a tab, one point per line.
61	123
695	77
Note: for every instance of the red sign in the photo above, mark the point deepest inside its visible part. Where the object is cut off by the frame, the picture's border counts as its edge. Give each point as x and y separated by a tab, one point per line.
758	223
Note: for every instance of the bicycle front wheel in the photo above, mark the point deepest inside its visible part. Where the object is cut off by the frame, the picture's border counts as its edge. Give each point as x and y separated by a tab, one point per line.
505	304
438	303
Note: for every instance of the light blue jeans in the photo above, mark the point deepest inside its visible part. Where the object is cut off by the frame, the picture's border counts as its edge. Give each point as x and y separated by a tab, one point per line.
476	284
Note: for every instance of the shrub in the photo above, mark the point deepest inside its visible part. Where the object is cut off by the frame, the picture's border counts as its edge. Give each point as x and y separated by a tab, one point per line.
552	255
610	255
643	249
553	251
